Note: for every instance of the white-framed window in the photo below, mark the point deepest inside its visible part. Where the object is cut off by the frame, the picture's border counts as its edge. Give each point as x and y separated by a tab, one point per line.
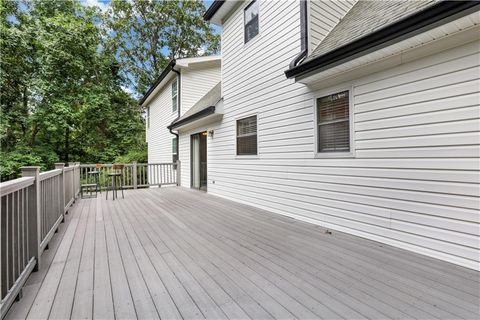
334	125
174	95
251	23
174	149
148	117
247	136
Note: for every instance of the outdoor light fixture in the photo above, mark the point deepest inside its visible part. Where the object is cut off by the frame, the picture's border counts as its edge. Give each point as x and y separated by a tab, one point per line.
210	133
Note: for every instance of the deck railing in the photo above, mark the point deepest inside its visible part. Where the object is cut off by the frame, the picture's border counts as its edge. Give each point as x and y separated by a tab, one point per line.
32	207
135	175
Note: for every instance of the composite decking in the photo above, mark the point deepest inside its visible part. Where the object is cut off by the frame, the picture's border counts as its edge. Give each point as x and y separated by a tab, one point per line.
174	253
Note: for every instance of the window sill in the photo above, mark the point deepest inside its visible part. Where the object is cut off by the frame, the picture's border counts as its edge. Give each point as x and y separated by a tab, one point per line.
247	156
334	155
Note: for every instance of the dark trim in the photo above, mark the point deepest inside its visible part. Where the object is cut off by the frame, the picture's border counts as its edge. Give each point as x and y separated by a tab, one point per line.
410	26
217	4
200	114
303	35
162	76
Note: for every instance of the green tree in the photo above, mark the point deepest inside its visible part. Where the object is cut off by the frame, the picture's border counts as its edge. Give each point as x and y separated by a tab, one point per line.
61	94
146	34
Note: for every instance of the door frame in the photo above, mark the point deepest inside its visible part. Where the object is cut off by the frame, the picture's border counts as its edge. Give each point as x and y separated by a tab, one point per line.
199	134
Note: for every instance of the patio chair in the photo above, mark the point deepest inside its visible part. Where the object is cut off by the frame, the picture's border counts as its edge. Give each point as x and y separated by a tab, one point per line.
117	176
96	176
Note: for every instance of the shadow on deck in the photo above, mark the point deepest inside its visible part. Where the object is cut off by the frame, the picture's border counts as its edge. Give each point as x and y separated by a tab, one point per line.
175	253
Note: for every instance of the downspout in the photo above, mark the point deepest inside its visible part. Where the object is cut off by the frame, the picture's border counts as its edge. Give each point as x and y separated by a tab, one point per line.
303	34
179	95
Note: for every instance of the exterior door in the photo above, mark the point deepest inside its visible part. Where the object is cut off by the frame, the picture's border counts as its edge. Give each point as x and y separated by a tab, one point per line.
198	149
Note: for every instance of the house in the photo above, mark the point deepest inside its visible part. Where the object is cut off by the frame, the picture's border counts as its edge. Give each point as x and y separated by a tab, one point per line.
181	84
360	116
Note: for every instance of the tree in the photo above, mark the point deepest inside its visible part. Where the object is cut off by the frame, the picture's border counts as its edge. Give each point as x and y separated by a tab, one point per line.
146	34
61	94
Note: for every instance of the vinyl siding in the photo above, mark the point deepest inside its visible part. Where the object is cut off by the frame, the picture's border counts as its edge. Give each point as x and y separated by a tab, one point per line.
196	83
161	115
414	181
323	17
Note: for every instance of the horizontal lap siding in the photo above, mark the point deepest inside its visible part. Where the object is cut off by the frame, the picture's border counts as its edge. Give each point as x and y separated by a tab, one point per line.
323	17
196	83
159	137
414	180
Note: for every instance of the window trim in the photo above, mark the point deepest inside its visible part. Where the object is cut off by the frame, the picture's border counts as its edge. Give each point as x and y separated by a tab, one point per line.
247	43
245	156
148	117
176	96
351	123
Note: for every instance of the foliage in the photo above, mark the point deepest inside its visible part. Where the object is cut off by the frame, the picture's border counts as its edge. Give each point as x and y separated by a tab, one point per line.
146	34
63	70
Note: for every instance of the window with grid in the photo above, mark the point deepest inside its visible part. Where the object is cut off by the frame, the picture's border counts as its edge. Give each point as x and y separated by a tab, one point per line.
174	96
333	120
251	20
247	136
148	117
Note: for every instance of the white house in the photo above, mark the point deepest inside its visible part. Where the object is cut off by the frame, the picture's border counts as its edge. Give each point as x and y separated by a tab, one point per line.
181	84
362	117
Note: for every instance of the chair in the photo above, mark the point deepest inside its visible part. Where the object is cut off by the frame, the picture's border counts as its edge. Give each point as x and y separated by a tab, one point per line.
116	175
96	175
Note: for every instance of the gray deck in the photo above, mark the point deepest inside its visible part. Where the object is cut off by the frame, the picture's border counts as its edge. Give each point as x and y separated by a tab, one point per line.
175	253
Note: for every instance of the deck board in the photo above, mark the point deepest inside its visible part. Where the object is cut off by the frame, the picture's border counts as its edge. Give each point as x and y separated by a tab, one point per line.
174	253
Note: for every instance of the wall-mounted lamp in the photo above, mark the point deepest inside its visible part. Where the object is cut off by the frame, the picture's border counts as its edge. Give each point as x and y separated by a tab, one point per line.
210	133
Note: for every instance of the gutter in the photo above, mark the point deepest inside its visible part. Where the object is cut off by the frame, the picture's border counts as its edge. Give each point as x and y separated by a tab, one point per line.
303	35
200	114
429	18
214	7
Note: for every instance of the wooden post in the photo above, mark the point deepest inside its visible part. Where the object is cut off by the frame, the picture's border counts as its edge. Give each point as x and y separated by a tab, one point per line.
72	164
134	173
178	172
61	190
34	231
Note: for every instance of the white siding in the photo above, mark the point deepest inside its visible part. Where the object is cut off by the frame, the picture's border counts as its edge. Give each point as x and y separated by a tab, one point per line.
414	182
196	83
323	17
161	115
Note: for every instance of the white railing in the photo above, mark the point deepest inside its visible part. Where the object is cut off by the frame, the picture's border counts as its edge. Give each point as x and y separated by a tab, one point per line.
32	207
134	175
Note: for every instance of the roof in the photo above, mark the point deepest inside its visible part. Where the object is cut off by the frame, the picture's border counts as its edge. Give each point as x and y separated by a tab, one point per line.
204	107
177	64
214	7
366	17
372	25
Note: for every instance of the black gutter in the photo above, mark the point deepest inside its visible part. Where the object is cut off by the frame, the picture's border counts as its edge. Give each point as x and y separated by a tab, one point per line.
217	4
162	76
303	35
200	114
422	21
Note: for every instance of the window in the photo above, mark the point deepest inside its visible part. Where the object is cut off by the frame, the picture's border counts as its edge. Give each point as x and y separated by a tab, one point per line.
333	120
148	117
174	149
174	96
247	136
251	20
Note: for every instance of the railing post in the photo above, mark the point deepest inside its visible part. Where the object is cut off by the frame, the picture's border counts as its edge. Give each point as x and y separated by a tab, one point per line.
134	173
178	173
61	190
74	196
34	231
